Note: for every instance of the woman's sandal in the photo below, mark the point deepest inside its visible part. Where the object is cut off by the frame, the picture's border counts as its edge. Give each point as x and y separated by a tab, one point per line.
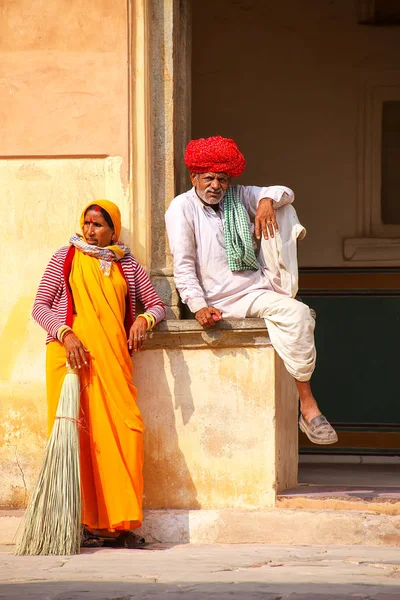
89	540
126	539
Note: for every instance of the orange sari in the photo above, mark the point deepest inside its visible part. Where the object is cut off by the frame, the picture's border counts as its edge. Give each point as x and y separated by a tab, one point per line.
111	432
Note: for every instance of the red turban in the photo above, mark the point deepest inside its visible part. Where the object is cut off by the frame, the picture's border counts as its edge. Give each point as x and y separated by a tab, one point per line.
214	155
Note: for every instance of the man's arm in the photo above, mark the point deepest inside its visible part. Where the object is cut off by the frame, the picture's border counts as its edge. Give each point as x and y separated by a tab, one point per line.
261	203
183	247
180	230
253	194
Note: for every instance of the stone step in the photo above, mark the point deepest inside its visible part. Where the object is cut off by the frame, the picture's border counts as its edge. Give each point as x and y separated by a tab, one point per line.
381	500
272	526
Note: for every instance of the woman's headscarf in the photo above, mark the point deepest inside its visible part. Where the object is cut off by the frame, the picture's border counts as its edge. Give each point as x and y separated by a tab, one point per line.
111	253
111	208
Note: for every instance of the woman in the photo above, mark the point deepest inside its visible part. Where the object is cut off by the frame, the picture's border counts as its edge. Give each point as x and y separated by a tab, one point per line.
86	303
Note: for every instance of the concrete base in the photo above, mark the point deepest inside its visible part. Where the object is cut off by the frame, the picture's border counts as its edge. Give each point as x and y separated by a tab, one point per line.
220	414
274	526
292	527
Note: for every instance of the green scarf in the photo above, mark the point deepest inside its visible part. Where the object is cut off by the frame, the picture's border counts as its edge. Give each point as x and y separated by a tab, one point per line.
238	242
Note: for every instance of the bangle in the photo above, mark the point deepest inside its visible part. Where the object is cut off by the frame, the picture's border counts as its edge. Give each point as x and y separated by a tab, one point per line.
150	320
66	334
143	317
63	331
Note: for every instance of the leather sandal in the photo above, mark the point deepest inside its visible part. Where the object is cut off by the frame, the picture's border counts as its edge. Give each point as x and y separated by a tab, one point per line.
318	430
89	540
126	539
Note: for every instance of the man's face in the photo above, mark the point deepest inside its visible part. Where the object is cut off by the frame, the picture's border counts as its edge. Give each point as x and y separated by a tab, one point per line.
210	187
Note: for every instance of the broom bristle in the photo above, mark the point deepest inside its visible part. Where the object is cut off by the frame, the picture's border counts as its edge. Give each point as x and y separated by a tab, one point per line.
52	522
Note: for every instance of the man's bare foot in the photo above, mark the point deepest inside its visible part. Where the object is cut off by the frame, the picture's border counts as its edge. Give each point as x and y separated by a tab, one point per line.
308	405
309	412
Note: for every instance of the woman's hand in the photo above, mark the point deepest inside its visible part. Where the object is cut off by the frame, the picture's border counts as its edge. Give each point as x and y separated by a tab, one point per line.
137	334
76	351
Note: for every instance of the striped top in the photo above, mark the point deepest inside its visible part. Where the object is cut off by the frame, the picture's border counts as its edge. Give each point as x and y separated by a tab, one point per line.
53	306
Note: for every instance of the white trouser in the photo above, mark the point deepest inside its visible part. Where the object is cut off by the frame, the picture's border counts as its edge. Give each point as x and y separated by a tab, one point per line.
291	331
289	322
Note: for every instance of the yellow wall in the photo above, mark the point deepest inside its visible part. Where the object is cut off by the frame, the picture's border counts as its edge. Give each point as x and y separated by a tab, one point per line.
220	426
64	141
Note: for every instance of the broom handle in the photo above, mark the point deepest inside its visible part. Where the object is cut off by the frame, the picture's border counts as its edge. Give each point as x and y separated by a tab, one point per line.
71	371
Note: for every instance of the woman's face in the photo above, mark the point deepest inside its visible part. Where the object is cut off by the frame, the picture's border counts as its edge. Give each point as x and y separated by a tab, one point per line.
96	230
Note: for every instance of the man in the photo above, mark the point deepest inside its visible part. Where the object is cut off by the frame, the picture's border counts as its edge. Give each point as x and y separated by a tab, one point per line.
218	274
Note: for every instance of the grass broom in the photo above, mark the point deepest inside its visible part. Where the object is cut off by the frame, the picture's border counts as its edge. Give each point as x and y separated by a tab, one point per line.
52	523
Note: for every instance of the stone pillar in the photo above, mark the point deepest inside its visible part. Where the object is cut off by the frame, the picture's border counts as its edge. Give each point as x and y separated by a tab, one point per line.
170	118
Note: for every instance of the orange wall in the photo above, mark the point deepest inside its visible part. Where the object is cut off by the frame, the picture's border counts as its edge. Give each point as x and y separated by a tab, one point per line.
63	78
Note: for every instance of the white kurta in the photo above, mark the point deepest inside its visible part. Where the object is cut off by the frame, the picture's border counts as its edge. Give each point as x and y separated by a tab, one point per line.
203	278
201	271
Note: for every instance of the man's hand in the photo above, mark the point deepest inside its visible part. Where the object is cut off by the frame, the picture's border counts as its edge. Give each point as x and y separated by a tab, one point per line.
75	351
265	220
137	334
208	316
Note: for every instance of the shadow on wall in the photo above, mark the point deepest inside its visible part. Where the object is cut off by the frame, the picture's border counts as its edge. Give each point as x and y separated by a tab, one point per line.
167	479
182	382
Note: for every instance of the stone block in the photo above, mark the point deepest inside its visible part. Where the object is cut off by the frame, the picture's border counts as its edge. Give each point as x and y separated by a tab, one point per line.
166	289
266	526
173	312
220	412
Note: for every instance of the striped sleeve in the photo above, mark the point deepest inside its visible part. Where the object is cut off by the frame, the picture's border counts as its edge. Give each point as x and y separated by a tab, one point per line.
147	295
49	294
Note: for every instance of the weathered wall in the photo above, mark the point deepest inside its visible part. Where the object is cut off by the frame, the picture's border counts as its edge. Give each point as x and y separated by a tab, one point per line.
283	79
64	142
63	78
221	424
213	422
41	203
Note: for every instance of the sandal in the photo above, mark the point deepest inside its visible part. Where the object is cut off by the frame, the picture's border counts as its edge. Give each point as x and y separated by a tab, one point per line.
318	430
126	539
89	540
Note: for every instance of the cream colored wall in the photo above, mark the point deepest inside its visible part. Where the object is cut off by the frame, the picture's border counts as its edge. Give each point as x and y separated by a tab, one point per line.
283	79
64	141
221	425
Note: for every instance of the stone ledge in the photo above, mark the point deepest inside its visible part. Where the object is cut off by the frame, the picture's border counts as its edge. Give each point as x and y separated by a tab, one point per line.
225	334
274	526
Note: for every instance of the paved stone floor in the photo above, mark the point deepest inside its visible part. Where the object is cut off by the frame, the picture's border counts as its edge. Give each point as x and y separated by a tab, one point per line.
211	572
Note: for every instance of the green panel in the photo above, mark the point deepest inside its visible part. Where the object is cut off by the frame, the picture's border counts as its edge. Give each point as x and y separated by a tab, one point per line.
358	358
